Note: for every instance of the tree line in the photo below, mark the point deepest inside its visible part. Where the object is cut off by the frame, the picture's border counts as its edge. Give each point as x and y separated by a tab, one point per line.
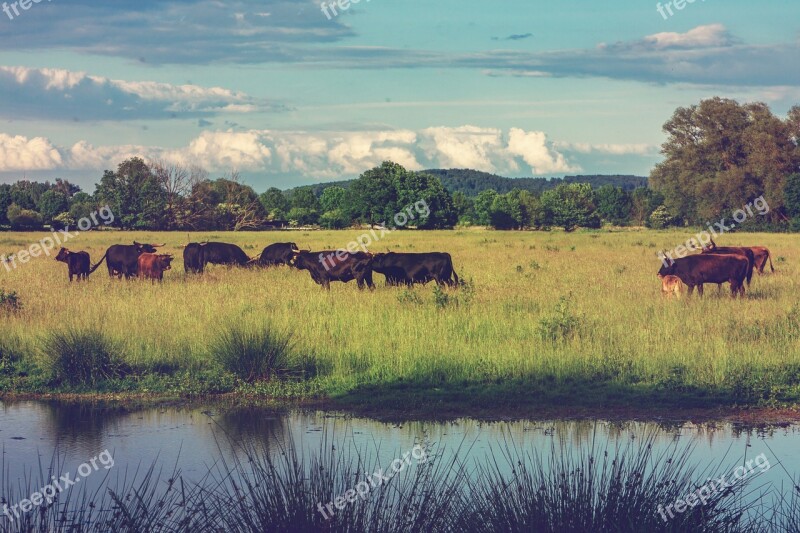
718	156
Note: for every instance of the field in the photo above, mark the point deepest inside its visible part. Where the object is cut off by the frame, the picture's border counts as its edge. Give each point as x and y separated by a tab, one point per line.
545	319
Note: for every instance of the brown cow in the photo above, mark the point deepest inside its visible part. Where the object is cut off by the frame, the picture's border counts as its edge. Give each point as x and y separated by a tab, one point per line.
336	265
78	263
152	266
744	251
762	254
671	286
695	270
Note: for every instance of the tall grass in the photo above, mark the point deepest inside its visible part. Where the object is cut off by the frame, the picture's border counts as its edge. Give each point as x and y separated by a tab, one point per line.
628	340
252	354
81	356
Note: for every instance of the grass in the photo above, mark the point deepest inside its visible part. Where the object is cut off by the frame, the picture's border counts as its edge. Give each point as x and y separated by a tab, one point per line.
281	487
546	318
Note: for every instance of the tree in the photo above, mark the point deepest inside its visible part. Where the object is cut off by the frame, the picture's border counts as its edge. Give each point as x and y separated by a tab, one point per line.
335	219
791	195
51	204
720	154
275	203
660	218
240	207
333	198
483	207
465	209
134	195
571	206
5	202
500	214
613	204
414	187
643	202
23	219
374	193
176	181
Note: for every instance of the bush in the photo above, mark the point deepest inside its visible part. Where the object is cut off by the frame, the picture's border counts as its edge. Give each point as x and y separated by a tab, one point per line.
9	302
252	354
561	324
82	356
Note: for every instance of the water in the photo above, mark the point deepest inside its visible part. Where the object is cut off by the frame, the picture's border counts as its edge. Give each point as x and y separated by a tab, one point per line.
196	437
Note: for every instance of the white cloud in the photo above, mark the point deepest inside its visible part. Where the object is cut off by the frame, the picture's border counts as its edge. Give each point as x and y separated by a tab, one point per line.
700	37
608	148
67	95
322	155
19	153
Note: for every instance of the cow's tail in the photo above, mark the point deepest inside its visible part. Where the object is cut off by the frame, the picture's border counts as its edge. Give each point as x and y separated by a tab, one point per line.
769	256
456	277
98	263
750	271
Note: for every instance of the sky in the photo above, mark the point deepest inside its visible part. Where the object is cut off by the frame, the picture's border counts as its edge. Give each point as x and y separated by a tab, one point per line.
294	92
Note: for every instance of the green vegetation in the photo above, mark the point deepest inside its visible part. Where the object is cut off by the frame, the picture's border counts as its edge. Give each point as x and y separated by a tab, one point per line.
541	319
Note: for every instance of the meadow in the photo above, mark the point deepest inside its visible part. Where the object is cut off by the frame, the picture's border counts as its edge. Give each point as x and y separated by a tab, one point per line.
543	319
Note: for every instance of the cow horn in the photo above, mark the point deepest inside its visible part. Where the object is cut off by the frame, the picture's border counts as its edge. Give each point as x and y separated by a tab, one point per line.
158	245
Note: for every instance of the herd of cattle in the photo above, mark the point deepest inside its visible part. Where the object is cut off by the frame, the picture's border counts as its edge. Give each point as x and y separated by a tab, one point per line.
144	261
714	264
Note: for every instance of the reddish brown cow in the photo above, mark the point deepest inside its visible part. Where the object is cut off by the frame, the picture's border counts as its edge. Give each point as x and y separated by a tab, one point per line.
78	263
761	254
152	266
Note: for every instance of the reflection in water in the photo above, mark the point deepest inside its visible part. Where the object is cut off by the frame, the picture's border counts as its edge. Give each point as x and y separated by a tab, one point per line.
194	437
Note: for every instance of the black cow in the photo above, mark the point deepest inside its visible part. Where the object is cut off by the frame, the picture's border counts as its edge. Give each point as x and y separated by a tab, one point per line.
734	250
406	268
279	253
193	258
216	253
695	270
78	263
123	259
336	265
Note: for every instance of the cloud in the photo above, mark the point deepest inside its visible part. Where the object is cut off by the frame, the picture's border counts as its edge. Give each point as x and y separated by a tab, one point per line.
58	94
607	148
176	31
20	153
514	37
324	155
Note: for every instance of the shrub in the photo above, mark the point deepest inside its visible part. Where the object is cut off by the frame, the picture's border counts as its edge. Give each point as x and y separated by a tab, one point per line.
9	302
252	353
561	324
82	356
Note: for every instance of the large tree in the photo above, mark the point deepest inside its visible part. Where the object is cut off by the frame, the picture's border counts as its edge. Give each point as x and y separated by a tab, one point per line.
720	154
134	194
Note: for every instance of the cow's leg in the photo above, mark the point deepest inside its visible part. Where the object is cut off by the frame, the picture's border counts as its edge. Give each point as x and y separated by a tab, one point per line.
70	276
700	289
691	289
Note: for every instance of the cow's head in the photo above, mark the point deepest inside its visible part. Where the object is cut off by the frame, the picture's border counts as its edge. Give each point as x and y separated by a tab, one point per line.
146	248
165	261
302	260
63	255
294	247
667	269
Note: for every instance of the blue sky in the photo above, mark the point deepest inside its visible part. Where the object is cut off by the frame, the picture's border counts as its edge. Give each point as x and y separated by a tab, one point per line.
286	96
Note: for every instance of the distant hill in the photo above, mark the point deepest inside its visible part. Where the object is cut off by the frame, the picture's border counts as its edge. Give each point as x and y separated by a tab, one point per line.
471	182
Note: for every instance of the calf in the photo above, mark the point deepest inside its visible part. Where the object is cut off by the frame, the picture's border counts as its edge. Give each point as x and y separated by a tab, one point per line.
152	266
671	286
78	263
336	265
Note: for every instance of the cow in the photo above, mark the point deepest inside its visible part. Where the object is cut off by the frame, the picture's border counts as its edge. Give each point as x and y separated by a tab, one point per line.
279	253
216	253
192	258
712	248
695	270
78	263
152	266
336	265
122	259
760	256
410	268
671	285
